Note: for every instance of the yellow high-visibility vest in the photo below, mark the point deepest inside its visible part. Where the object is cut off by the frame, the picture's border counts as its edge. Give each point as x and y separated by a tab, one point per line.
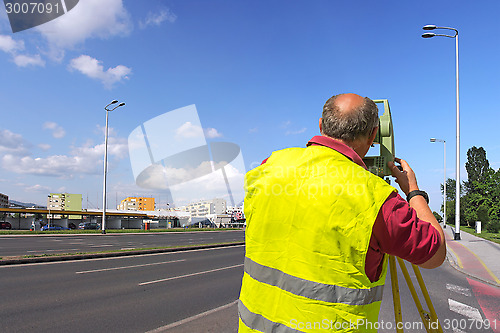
310	213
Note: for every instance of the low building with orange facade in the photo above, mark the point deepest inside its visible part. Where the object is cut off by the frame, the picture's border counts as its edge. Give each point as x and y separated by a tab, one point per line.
137	203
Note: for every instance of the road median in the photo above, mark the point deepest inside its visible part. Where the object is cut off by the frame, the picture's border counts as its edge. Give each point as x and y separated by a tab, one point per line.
107	254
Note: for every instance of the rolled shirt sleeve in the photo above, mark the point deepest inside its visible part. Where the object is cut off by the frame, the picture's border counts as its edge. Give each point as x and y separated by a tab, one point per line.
399	232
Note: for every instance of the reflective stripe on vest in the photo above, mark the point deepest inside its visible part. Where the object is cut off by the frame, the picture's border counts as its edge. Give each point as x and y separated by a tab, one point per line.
259	323
313	290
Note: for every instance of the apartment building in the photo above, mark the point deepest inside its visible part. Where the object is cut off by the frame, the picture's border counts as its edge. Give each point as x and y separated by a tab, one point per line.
65	201
137	203
202	208
4	201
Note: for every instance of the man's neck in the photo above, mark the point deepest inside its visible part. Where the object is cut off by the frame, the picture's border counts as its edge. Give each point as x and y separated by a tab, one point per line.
354	145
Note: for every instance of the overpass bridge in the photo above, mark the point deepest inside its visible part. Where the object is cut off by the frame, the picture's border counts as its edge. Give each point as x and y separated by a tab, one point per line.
24	218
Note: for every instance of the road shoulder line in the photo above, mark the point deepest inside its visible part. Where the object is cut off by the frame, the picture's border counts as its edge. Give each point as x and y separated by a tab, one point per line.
189	319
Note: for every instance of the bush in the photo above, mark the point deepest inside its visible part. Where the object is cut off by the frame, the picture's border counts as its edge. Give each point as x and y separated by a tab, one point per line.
493	226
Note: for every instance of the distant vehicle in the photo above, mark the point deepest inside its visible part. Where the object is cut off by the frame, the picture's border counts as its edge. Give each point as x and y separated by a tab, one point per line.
5	225
89	225
53	227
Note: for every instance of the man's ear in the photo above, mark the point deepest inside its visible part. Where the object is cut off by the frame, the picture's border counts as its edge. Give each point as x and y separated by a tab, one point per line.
373	135
321	125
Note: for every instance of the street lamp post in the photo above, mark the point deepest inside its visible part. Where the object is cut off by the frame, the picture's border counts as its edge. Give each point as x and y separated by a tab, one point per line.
457	190
444	182
106	163
48	216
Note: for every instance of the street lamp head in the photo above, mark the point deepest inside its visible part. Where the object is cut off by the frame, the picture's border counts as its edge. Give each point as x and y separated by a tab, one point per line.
121	104
433	140
429	27
428	35
113	102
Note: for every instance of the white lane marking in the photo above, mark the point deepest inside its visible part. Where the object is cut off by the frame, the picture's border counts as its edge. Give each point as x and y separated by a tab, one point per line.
458	289
187	275
465	310
187	320
119	257
127	248
124	267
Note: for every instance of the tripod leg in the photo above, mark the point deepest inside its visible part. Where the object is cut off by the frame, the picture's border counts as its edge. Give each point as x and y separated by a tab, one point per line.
423	288
395	295
426	319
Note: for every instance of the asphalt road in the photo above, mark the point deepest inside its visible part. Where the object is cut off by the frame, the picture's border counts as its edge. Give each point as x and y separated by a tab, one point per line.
52	244
148	292
126	294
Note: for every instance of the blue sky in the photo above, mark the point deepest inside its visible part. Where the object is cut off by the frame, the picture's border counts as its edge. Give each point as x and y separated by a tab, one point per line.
258	72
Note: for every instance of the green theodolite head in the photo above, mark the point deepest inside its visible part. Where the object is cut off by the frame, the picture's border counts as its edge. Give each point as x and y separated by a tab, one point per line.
385	137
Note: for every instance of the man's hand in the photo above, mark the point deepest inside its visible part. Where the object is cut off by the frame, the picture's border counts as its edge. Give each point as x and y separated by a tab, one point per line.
405	178
408	182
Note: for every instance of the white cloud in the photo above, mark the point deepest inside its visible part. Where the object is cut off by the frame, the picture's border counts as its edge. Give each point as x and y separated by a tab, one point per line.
23	60
212	133
87	159
89	19
9	45
93	68
210	186
44	146
57	131
158	18
37	188
300	131
188	130
13	143
13	47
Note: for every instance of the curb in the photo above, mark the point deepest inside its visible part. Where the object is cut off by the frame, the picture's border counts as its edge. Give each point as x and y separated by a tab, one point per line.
450	256
112	254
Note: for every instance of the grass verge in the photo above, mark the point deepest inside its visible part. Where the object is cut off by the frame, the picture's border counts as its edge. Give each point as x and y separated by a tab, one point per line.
494	237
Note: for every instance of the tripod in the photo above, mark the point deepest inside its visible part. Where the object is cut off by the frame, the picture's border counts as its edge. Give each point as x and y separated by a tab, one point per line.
429	318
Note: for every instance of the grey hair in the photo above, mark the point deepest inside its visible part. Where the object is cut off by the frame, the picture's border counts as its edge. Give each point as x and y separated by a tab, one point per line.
349	125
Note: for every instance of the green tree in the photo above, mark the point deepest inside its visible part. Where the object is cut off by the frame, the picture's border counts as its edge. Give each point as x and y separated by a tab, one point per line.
451	189
494	194
438	217
478	170
482	214
450	201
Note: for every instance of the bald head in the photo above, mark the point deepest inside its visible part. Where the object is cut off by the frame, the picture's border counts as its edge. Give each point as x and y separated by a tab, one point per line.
348	117
349	102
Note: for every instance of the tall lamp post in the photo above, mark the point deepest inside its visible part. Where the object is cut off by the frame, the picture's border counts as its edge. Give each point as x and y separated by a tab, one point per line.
106	162
444	182
48	207
457	190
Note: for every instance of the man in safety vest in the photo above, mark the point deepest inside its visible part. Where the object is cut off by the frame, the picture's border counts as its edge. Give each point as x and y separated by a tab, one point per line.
319	225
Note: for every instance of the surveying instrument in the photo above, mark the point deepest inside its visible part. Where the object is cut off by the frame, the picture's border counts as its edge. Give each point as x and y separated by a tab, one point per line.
378	166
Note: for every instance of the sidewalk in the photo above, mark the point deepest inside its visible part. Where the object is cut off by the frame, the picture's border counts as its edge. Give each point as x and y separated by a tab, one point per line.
474	256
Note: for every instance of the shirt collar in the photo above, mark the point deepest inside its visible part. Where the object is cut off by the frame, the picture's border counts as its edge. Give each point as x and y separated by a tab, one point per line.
320	140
